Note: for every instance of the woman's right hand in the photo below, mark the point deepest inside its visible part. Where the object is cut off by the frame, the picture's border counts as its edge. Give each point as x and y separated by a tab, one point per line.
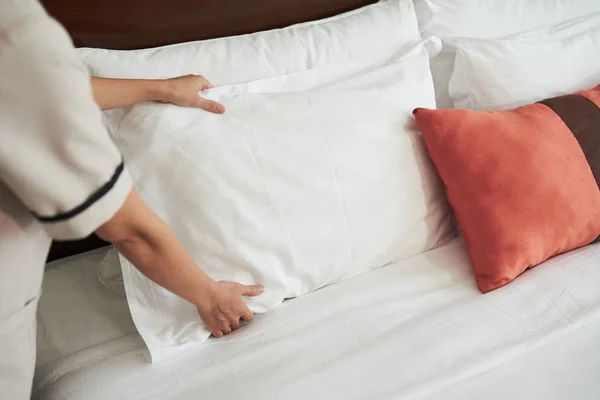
150	245
224	306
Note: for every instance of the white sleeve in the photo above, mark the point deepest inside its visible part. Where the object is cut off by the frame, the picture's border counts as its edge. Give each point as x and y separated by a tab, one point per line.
55	154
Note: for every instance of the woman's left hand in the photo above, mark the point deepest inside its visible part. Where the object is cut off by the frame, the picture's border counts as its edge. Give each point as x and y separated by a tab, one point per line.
185	91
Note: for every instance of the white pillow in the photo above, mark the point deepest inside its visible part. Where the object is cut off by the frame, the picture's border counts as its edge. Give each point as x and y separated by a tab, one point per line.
292	190
488	19
503	74
370	34
561	31
366	37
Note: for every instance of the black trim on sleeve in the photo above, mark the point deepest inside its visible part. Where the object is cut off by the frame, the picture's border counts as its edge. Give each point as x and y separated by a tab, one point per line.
97	195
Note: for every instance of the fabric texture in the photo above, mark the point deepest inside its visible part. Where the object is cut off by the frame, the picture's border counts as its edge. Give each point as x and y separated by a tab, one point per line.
297	189
417	329
523	183
582	116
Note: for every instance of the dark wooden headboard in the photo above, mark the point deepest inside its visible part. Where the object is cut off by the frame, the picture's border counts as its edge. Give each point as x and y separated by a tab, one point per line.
136	24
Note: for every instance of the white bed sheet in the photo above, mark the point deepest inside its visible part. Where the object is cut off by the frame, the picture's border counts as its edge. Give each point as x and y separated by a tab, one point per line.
416	329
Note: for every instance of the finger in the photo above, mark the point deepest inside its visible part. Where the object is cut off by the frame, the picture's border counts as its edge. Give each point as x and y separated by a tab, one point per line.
204	83
226	329
235	324
251	290
212	325
210	105
215	330
248	316
207	83
217	333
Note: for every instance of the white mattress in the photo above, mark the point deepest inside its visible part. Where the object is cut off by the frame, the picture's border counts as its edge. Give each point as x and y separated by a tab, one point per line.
416	329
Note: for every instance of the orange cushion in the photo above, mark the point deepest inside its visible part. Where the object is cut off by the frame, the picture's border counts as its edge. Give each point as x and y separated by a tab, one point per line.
524	183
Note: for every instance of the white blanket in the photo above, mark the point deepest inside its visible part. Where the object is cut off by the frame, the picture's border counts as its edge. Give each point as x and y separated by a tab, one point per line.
416	329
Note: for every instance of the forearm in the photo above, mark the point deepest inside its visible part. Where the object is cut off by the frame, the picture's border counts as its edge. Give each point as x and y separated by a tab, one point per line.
168	264
152	247
112	93
182	91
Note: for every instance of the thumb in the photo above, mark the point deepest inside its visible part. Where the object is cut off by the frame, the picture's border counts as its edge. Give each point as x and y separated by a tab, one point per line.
210	105
251	290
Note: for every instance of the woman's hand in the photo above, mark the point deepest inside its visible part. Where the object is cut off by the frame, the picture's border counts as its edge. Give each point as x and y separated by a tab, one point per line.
225	307
183	91
149	244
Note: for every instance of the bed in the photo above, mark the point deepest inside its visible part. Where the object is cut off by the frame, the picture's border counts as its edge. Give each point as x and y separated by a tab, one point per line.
417	328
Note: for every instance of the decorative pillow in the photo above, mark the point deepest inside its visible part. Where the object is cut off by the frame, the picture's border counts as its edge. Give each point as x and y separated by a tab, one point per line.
497	74
293	190
524	183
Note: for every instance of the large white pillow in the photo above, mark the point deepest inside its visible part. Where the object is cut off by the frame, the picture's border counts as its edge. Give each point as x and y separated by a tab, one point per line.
371	34
503	74
366	37
488	19
293	190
